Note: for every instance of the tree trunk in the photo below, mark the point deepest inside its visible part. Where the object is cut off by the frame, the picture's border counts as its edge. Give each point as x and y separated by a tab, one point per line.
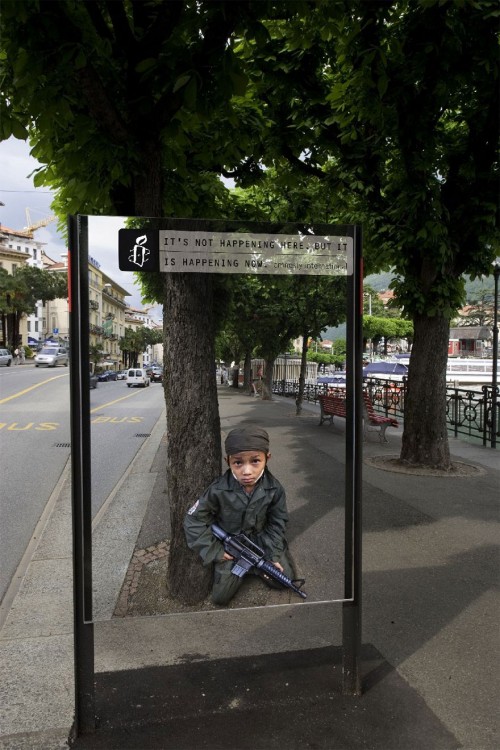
425	436
193	425
247	372
302	376
267	380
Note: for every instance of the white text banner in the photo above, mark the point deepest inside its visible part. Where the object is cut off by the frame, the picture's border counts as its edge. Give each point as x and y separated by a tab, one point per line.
237	252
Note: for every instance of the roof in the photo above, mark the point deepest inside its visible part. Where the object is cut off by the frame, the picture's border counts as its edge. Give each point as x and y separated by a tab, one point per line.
16	232
471	332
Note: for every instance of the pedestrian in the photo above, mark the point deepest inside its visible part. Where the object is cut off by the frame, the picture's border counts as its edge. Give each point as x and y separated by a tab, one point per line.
21	355
16	356
246	499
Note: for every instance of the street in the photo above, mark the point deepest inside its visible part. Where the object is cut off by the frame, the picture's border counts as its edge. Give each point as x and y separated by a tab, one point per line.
35	446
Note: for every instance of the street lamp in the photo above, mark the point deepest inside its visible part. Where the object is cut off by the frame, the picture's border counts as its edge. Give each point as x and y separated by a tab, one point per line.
370	343
496	274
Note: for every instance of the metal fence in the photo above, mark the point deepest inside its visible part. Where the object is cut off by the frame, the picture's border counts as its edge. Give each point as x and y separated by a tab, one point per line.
468	410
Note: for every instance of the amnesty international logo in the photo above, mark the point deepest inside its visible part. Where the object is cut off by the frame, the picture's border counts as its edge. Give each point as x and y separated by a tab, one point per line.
138	250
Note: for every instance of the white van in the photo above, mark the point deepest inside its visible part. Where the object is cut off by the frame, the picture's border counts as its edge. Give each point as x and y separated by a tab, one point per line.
136	376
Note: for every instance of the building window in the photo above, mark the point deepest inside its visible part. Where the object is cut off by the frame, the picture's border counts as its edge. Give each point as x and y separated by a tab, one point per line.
34	254
36	326
29	326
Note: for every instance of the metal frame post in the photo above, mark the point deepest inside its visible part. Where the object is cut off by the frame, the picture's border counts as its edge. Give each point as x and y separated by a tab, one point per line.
496	273
81	476
351	610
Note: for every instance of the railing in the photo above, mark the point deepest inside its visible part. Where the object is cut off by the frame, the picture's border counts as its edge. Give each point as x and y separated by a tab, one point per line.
468	411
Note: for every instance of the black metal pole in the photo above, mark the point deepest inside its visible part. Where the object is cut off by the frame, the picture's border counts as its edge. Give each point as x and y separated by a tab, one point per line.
80	476
351	610
494	384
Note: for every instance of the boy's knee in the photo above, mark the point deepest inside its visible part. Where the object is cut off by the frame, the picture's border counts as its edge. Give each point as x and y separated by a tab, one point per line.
225	584
221	597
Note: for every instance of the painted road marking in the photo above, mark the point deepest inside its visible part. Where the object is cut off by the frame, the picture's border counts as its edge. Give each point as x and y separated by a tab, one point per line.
32	387
110	403
15	427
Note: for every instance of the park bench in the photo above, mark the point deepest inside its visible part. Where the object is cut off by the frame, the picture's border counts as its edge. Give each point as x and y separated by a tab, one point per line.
330	407
376	422
335	406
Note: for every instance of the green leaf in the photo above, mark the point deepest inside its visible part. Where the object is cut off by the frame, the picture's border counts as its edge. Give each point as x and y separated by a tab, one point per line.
6	127
19	131
240	82
382	84
181	81
190	93
146	64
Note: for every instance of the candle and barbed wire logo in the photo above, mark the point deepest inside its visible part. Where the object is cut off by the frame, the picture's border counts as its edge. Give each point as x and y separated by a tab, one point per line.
138	250
139	253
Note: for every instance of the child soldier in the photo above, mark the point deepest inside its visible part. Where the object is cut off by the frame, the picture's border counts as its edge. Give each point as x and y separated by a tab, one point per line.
246	499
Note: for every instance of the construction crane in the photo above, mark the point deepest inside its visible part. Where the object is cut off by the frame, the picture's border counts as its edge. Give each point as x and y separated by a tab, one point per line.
31	226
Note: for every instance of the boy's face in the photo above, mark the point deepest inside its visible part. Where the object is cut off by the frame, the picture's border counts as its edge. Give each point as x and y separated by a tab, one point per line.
247	466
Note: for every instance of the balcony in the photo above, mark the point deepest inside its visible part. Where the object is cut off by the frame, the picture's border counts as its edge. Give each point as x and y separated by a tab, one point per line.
93	304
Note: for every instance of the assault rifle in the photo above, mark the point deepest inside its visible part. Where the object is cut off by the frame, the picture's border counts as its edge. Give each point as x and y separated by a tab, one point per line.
248	555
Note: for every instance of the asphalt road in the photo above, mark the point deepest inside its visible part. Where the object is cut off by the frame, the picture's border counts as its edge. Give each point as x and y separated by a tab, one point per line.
35	446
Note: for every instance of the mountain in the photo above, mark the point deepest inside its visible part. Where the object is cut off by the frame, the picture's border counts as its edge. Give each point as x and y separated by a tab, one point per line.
474	289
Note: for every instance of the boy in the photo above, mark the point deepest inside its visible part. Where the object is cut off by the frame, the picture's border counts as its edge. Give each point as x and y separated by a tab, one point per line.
246	499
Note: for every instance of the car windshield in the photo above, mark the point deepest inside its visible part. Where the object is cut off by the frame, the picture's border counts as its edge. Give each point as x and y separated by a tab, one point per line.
48	350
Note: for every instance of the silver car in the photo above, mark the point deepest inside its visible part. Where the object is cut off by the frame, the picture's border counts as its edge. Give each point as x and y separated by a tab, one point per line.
50	356
5	357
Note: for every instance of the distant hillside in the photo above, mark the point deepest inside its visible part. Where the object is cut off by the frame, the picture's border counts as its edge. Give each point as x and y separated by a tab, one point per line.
380	282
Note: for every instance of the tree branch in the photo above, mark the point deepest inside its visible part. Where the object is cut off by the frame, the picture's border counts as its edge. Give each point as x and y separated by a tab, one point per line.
123	33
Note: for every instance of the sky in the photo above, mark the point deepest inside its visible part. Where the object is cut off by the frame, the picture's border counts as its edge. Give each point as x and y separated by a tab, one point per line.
18	193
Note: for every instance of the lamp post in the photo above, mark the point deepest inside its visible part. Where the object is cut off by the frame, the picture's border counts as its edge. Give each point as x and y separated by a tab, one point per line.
370	343
496	274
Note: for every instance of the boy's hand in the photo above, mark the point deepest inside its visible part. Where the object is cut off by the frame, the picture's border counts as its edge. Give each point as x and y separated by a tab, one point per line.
227	557
279	566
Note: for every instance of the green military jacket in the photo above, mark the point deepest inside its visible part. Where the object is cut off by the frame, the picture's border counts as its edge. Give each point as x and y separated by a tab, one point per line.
262	516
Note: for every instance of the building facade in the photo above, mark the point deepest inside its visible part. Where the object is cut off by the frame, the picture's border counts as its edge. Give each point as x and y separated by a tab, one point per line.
18	248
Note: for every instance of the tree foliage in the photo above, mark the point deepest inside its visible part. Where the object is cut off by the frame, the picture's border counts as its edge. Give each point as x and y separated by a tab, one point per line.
394	108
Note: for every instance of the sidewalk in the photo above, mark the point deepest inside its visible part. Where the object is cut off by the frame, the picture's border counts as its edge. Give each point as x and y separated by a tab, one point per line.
271	677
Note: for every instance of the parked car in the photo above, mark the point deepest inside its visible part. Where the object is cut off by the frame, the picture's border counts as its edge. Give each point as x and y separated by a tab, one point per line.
106	375
5	357
51	356
93	380
155	374
121	375
137	376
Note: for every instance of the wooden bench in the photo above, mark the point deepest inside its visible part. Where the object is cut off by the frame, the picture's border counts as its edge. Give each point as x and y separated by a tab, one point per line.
335	406
330	407
376	422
